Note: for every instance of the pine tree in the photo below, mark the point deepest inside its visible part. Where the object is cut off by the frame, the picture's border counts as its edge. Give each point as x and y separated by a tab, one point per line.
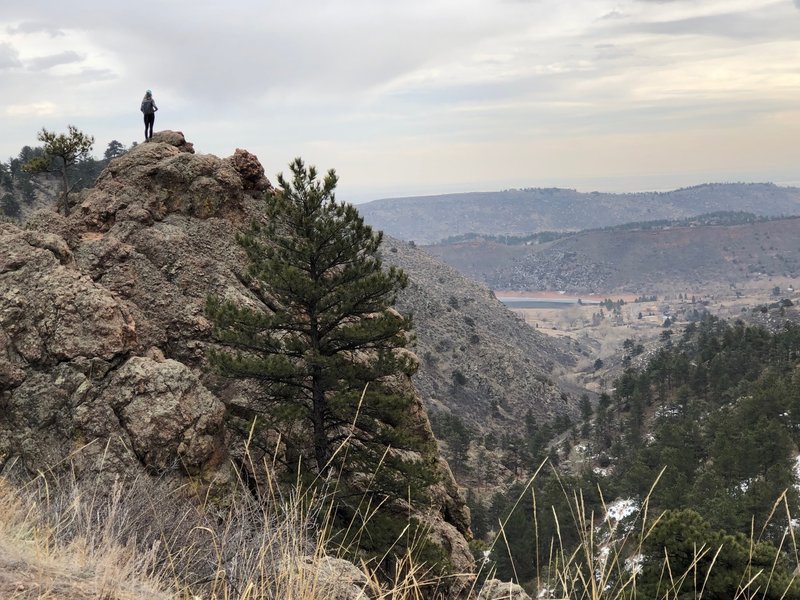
61	152
327	344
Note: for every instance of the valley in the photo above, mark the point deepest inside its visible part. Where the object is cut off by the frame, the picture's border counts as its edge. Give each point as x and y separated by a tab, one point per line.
400	301
602	323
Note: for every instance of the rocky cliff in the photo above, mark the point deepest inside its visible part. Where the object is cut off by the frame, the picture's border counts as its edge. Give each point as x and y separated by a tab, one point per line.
103	334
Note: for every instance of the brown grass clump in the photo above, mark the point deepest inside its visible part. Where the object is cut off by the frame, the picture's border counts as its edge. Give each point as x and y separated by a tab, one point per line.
68	539
38	561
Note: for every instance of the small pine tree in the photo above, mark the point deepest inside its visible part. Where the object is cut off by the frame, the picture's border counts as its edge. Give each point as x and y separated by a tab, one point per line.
61	152
114	150
9	206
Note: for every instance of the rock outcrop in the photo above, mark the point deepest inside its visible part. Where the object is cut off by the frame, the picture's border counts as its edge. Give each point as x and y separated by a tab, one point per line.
103	334
494	589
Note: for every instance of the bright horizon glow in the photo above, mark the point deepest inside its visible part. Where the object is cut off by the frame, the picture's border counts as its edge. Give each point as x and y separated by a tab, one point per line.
428	96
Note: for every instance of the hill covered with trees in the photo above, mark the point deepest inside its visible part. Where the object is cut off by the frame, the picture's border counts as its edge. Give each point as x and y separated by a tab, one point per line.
521	212
726	248
483	372
700	446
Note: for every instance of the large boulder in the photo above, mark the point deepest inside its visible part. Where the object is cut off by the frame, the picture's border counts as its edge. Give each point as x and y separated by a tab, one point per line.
161	177
49	310
168	414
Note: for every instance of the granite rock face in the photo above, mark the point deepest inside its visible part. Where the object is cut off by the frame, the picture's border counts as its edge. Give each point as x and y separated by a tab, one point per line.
160	178
103	334
49	309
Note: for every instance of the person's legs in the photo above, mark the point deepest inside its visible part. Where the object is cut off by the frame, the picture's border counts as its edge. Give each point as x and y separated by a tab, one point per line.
148	126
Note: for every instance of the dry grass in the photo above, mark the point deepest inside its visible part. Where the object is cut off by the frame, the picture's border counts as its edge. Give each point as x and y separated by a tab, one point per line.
144	540
601	567
44	556
68	539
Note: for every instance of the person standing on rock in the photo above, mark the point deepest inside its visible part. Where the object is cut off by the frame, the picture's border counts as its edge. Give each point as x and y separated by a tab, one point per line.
149	109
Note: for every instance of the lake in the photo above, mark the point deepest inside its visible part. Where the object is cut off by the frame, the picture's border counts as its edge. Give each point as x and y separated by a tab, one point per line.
534	302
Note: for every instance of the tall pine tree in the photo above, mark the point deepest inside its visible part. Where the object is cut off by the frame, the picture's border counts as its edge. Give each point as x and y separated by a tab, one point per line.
327	346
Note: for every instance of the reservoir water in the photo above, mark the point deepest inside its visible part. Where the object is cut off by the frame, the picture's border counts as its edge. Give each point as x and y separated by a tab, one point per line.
534	302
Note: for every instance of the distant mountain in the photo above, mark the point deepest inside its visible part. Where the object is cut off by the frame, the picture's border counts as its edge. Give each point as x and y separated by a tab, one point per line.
430	219
633	260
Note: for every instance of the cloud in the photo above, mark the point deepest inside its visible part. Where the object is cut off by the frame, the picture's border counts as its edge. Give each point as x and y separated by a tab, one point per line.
309	77
612	51
732	25
26	110
35	27
42	63
617	14
9	57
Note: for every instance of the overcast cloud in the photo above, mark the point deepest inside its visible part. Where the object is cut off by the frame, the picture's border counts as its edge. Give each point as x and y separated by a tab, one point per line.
426	96
41	63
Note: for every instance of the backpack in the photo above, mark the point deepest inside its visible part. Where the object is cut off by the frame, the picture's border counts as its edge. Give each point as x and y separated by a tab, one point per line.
147	107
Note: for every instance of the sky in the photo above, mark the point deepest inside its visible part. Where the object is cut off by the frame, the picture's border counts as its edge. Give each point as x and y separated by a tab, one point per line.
425	96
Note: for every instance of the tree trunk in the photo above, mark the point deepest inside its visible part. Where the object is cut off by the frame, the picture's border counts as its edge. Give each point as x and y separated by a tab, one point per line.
321	453
65	182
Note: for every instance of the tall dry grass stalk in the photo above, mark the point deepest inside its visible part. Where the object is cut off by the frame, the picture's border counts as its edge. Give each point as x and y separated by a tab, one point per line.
603	565
75	539
62	538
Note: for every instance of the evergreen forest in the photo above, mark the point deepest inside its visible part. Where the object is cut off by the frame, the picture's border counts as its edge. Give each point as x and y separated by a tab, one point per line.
703	440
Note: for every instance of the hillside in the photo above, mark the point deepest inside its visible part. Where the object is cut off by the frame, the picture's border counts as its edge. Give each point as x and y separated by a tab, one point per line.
693	460
634	260
430	219
480	361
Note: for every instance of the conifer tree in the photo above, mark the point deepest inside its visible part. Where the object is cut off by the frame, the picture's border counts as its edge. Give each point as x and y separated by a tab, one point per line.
61	151
327	343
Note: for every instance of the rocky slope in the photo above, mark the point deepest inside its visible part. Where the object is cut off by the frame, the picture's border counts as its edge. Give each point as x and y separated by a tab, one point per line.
103	335
479	360
429	219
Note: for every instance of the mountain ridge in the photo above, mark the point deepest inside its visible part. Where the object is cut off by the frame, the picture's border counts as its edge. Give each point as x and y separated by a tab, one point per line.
642	260
430	219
